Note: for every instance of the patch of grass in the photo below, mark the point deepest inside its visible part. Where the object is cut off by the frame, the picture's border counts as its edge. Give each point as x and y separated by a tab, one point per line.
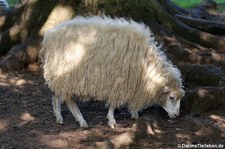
192	3
12	2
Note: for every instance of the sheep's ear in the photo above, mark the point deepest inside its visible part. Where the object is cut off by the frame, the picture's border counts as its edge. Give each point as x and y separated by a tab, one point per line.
182	92
166	89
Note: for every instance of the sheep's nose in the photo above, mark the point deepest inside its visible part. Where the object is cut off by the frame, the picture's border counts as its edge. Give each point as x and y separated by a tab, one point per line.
176	115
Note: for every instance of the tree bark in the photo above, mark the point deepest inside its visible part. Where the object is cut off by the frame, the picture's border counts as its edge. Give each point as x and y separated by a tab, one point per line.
27	20
185	31
21	39
209	26
203	99
22	54
203	75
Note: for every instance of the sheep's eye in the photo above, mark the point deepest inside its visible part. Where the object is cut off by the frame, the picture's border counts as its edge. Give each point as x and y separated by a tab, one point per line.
172	97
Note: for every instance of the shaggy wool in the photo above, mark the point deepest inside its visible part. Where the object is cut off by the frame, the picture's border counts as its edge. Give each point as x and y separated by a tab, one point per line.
114	60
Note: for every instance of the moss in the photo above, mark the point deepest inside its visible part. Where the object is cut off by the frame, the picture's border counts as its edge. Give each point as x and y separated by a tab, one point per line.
135	9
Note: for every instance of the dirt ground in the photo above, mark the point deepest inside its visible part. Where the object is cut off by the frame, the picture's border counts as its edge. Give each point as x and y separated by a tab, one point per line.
27	121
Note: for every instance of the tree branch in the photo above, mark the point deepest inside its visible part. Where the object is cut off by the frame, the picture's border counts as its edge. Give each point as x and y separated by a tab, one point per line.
204	25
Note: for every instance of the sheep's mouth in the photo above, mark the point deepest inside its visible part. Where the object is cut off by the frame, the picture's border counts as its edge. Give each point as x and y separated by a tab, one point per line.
173	116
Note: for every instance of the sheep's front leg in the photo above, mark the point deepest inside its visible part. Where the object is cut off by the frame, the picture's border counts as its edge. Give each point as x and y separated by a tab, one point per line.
76	112
110	117
56	103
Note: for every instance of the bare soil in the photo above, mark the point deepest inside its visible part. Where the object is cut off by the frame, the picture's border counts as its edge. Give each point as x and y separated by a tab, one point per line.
27	121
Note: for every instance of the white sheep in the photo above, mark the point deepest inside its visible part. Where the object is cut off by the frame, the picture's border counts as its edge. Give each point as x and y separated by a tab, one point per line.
111	60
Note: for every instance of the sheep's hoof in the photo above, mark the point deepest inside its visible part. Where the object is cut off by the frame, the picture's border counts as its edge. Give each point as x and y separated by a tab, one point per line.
84	124
59	121
112	124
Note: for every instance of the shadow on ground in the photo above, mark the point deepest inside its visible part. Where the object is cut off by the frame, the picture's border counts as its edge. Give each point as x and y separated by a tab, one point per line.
27	121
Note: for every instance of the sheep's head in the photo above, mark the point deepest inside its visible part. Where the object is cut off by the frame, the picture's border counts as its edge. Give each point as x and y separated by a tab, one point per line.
172	102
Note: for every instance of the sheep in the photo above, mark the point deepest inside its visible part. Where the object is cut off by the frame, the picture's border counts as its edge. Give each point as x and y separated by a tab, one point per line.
112	60
3	5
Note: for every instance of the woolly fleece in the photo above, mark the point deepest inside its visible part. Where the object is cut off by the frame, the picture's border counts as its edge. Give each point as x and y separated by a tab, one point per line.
114	60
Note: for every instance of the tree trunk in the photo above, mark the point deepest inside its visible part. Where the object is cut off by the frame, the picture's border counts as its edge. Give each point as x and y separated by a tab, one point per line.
22	34
31	19
217	28
193	39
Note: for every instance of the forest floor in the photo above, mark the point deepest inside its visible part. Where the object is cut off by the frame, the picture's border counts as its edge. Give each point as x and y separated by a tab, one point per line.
27	121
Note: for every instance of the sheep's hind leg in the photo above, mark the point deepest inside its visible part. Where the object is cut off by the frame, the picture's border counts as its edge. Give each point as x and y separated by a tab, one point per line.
56	103
110	117
76	112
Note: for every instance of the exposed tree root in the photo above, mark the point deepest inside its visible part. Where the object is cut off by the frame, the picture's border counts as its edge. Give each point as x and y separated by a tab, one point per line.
209	26
203	99
21	55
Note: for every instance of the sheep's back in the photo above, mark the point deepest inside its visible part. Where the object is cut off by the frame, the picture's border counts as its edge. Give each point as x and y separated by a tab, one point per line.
97	61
